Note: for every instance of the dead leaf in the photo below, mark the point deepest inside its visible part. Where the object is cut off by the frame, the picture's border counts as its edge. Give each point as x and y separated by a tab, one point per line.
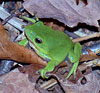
88	57
31	70
13	51
54	24
66	11
91	86
16	82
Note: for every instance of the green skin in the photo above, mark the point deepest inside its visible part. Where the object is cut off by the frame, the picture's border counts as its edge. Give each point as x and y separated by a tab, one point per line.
52	45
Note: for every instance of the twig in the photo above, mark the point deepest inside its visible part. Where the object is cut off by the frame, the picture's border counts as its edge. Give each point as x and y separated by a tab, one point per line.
16	22
92	63
71	34
17	12
87	37
49	84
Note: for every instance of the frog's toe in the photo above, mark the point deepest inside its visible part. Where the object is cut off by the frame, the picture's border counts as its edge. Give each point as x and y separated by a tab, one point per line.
73	70
43	73
70	73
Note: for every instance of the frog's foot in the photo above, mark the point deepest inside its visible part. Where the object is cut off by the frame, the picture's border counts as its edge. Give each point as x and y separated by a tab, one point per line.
45	70
43	73
73	70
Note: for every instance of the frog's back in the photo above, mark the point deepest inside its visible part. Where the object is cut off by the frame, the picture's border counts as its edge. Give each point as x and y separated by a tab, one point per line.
59	43
62	45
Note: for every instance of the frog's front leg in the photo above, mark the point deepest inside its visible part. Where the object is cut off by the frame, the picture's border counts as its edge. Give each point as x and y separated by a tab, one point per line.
23	42
50	67
74	57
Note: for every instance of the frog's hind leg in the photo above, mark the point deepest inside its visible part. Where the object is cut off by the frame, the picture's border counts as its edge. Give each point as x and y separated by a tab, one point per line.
73	70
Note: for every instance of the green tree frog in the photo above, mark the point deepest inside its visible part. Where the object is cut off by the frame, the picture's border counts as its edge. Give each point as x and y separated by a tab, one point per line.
52	45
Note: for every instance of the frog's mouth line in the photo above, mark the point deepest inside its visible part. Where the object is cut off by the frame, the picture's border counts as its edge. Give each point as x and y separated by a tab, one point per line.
36	49
33	46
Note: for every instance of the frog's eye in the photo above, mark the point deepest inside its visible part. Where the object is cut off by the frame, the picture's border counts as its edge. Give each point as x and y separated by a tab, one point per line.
37	40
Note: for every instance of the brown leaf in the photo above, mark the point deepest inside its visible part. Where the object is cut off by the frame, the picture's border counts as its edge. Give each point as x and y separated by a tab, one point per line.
88	57
31	71
91	86
55	25
16	82
11	50
66	11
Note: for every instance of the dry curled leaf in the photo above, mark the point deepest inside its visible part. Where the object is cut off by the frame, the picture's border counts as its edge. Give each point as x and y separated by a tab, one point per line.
91	86
13	51
65	11
31	70
53	24
16	82
88	57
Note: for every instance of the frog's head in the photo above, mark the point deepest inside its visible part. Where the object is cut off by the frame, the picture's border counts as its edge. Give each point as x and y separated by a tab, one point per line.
40	36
